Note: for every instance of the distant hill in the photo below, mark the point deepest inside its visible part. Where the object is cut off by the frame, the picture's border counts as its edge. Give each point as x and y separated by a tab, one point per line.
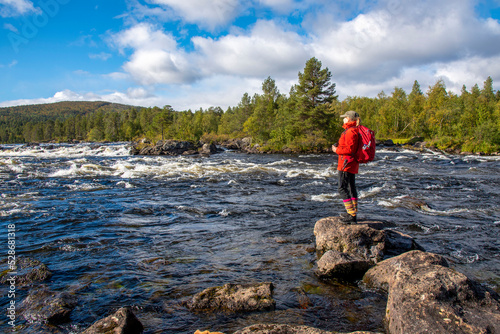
65	109
39	122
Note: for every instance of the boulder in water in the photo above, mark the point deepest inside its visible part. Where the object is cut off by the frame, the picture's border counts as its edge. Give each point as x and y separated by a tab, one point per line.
425	296
122	321
45	306
234	298
287	329
334	264
348	251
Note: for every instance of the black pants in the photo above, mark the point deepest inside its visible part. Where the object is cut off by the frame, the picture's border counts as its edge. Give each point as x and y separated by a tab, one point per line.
347	186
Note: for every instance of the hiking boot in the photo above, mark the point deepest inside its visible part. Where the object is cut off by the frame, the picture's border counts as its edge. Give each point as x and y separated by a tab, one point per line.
348	219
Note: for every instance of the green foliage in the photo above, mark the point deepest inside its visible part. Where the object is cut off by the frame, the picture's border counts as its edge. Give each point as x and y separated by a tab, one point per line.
306	120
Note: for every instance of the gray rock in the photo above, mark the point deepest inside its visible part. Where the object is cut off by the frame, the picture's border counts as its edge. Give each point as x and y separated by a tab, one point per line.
286	329
355	247
359	239
334	264
234	298
122	321
208	149
45	306
383	274
425	296
397	243
437	299
389	143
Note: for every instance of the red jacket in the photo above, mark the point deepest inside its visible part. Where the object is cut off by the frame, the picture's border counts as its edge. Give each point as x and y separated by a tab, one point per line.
348	146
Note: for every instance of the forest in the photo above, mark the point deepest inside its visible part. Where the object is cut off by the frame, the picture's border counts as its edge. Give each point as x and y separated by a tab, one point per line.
305	119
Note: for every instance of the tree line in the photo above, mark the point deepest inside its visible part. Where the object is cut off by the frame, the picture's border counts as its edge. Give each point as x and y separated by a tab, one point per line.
305	119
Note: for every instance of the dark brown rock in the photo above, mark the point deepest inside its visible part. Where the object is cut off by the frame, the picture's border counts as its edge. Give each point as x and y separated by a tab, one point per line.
234	298
122	321
45	306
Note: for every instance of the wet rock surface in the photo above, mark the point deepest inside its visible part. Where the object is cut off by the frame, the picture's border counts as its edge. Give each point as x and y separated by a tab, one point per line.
382	276
44	306
287	329
426	296
359	239
234	298
29	271
334	264
122	321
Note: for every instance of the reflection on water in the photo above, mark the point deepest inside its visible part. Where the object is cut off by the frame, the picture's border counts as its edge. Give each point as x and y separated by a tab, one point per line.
150	232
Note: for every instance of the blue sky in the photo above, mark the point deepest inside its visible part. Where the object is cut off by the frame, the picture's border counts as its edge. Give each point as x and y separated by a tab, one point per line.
195	54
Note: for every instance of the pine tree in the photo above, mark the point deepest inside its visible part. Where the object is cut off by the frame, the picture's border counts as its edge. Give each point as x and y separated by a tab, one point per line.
315	91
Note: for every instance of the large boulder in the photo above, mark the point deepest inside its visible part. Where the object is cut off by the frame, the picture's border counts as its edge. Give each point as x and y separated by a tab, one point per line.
348	251
122	321
44	306
234	298
425	296
286	329
359	239
382	276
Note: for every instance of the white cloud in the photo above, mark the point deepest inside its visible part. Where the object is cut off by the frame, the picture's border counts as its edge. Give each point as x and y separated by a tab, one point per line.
102	56
267	50
12	8
10	27
155	58
133	96
379	45
210	14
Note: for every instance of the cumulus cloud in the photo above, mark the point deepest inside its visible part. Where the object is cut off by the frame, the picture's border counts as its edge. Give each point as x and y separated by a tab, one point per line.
210	14
132	96
12	8
379	45
266	50
156	59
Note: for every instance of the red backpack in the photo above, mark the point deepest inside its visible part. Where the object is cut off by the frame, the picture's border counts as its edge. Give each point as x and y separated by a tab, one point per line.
366	146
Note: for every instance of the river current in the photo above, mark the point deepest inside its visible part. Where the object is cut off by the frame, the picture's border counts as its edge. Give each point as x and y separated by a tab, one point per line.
151	231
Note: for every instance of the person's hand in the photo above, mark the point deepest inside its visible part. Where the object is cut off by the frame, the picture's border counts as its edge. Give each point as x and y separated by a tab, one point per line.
334	149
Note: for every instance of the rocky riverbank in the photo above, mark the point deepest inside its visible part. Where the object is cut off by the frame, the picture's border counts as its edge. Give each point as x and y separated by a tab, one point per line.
424	295
245	145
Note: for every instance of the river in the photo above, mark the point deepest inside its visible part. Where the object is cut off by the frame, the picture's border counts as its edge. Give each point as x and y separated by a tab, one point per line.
151	231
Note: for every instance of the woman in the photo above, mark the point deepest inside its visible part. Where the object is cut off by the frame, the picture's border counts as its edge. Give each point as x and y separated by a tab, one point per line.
348	166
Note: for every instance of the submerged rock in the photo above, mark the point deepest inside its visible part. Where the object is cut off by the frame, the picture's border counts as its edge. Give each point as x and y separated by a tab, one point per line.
287	329
234	298
425	296
122	321
29	271
46	306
